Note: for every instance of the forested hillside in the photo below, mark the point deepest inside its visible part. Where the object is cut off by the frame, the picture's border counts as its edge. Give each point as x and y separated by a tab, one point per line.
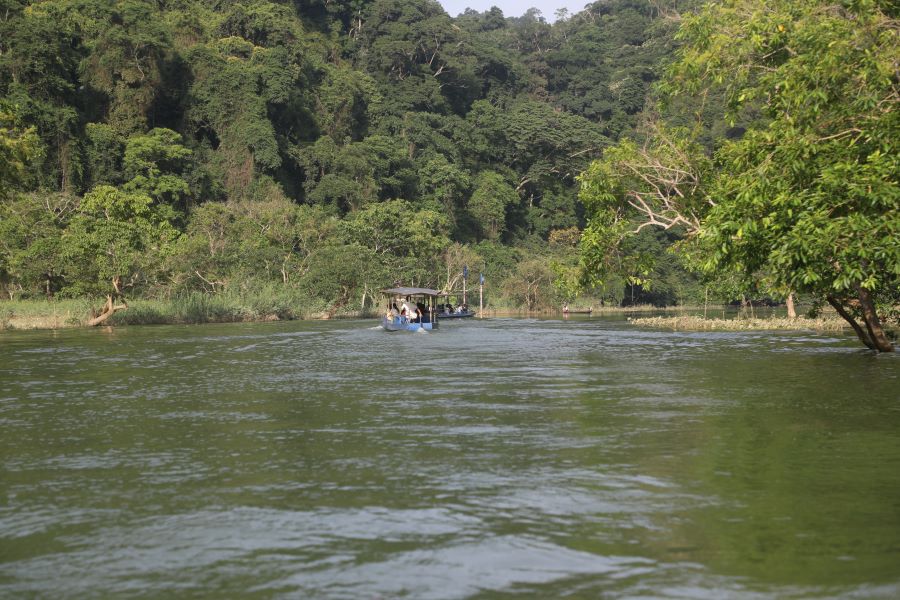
318	148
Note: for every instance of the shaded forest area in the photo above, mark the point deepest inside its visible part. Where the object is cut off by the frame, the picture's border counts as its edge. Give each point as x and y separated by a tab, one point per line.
317	150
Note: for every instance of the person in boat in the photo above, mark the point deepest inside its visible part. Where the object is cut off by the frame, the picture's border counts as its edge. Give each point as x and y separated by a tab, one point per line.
421	313
448	308
407	311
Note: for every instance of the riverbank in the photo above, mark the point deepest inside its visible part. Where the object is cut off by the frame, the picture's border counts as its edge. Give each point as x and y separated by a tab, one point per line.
200	308
583	311
693	323
185	310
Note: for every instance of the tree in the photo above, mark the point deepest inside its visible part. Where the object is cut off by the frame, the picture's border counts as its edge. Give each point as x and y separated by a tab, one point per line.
556	210
208	253
811	198
39	57
31	231
153	164
128	44
289	235
542	143
104	149
339	273
245	122
345	103
444	184
489	202
417	51
115	242
17	146
606	59
659	183
408	242
338	177
530	285
456	258
239	90
807	199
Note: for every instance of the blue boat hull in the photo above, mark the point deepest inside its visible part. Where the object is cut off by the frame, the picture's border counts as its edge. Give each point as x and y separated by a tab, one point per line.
403	324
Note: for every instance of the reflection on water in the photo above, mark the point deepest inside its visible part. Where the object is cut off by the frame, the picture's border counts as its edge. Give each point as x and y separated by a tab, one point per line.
536	458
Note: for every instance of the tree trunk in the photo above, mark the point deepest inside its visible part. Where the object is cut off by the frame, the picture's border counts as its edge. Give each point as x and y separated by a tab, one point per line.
873	324
860	332
792	311
108	310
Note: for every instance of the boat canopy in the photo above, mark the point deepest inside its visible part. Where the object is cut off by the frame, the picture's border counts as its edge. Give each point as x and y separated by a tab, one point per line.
411	291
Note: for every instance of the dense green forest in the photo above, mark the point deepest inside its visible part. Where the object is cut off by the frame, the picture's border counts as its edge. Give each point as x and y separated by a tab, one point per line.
317	150
327	147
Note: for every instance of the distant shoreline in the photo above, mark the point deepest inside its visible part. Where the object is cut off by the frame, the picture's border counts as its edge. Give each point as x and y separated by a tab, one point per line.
27	315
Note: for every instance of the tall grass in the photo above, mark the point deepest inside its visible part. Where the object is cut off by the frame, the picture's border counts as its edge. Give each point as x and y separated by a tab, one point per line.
44	314
268	303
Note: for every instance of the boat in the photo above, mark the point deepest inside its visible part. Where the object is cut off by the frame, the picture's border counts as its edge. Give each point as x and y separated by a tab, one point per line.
458	309
454	310
457	314
422	300
460	312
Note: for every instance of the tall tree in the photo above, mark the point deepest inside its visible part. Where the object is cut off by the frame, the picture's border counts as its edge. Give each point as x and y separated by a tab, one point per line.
115	242
813	197
17	147
808	197
128	45
489	203
40	52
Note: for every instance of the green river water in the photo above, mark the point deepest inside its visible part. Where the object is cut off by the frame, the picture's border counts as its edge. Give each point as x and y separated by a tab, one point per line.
500	458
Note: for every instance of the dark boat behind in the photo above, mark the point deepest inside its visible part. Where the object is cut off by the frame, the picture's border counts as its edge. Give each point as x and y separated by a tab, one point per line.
456	315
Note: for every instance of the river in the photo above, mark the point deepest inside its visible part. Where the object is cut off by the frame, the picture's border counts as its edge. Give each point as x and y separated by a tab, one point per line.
500	458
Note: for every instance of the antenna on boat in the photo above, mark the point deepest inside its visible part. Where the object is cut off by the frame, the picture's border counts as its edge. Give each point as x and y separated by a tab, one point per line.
480	295
465	277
